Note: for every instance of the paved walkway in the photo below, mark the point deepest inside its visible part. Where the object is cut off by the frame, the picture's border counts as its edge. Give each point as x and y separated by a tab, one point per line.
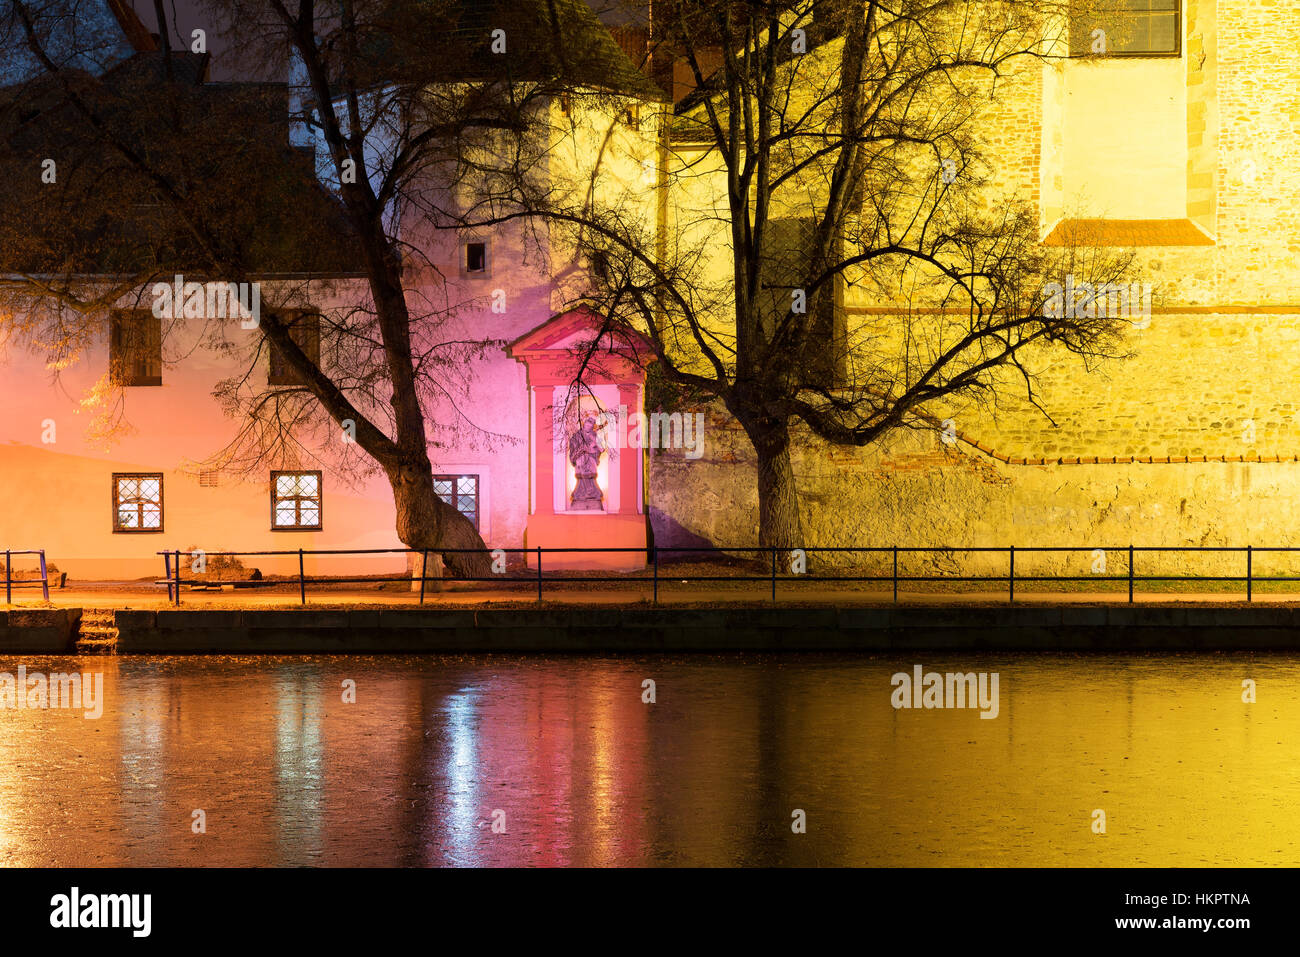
670	592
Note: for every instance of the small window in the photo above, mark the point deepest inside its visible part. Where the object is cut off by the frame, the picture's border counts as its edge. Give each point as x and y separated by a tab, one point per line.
599	261
474	258
460	492
137	502
1126	28
304	330
295	501
209	478
135	349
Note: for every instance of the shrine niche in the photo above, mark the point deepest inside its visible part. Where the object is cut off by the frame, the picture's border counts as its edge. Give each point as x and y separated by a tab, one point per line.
586	487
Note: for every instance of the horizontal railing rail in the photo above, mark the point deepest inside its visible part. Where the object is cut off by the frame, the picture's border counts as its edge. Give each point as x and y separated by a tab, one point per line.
174	580
11	583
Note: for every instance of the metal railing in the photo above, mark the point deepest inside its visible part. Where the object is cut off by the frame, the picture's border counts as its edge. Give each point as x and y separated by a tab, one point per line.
11	583
174	581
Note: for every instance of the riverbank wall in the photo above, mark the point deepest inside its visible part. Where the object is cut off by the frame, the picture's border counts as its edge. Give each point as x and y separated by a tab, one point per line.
589	630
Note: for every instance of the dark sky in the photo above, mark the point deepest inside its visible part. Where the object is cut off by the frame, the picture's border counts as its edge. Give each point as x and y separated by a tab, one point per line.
185	15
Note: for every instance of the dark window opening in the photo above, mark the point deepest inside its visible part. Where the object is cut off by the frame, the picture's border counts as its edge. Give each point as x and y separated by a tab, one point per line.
304	330
475	257
1126	28
135	349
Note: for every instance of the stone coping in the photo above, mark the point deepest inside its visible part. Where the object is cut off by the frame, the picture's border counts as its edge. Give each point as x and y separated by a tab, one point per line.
1115	628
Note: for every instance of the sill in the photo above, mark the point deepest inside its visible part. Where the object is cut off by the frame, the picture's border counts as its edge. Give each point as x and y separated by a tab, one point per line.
297	528
137	531
1102	57
149	381
1127	233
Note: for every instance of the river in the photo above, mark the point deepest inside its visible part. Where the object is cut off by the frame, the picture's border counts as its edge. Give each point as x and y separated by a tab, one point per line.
200	761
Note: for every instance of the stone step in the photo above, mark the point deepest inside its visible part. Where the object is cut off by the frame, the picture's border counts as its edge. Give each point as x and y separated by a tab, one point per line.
97	634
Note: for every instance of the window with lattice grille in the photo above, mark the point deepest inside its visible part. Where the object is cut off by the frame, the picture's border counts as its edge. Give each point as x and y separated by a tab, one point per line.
295	501
137	502
460	492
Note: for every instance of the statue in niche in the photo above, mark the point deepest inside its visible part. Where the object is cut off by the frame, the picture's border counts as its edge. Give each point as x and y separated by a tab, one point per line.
585	453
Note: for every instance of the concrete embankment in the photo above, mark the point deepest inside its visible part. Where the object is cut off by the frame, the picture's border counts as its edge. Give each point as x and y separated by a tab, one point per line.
40	631
1116	628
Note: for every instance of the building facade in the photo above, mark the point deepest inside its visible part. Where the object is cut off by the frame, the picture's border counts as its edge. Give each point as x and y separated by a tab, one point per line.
1186	148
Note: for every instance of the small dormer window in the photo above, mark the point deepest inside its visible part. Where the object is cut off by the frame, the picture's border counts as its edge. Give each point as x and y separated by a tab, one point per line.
474	258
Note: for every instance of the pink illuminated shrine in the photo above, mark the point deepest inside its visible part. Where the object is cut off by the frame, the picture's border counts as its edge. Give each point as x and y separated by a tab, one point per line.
586	481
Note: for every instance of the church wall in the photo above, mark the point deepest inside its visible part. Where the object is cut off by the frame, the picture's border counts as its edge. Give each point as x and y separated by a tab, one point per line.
1215	375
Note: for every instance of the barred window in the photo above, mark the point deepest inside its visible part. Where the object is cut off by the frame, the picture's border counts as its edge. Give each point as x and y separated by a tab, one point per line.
137	502
295	501
135	349
1127	28
304	330
460	492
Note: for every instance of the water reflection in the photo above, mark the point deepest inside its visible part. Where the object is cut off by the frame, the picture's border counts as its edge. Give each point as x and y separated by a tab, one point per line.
580	771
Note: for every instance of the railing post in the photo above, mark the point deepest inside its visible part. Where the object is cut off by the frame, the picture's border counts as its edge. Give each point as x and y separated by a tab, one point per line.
654	552
774	574
45	577
539	574
302	580
895	574
1248	572
9	571
167	572
424	572
1011	576
177	569
1130	573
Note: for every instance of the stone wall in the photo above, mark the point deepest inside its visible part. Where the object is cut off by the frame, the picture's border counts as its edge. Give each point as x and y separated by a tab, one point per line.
1193	439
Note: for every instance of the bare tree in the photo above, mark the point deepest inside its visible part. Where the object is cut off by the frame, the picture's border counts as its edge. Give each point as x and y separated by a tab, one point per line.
160	173
834	145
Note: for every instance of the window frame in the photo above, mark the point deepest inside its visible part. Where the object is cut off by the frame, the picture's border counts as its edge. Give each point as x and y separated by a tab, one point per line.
465	271
478	493
120	371
118	528
312	347
1176	53
320	502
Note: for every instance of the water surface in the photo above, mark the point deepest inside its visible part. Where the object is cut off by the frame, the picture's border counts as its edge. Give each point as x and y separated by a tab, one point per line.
585	773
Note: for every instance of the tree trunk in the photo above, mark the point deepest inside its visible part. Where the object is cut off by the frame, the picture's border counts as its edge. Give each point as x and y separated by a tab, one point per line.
778	499
425	521
420	569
